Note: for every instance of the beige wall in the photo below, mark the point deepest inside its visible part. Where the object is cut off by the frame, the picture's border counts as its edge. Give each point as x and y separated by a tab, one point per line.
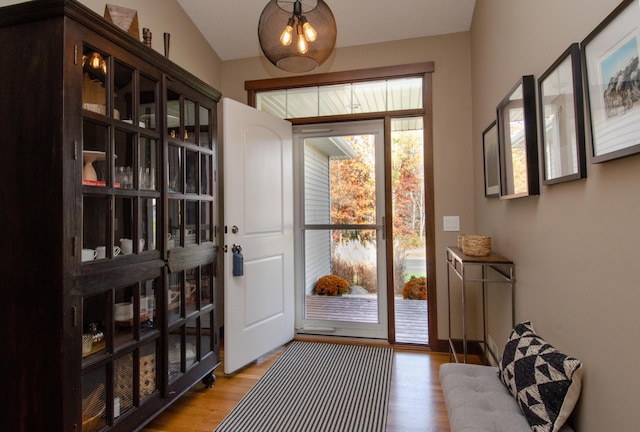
575	245
451	117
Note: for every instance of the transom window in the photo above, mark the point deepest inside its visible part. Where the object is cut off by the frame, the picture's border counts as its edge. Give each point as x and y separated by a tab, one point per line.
342	99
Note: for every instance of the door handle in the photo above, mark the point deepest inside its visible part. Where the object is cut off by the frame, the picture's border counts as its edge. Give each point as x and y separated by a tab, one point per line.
234	229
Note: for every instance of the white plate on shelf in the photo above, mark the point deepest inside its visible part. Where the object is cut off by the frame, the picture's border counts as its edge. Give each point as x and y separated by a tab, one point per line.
141	124
94	155
100	109
172	121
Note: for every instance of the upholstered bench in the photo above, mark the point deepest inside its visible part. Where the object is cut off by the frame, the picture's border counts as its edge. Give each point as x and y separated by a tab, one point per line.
534	385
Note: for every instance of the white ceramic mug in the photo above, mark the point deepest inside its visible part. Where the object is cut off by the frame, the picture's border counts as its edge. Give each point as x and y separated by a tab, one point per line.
88	254
173	296
101	251
190	289
127	245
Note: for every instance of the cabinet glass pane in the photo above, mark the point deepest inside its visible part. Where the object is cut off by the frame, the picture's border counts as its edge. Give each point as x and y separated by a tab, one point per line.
206	210
175	353
175	224
192	171
149	155
93	320
174	296
191	289
205	130
124	159
206	341
122	385
206	284
173	114
175	169
123	92
94	150
148	212
148	321
94	76
94	406
123	315
148	99
191	222
205	172
95	225
190	347
189	121
124	223
148	370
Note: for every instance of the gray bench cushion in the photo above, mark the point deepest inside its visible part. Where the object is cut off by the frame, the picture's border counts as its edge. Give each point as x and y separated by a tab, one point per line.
477	401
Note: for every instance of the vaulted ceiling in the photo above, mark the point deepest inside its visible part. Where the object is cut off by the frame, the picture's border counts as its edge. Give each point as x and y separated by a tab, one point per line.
230	26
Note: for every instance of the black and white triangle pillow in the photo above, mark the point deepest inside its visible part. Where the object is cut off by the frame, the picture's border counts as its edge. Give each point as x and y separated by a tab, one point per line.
545	382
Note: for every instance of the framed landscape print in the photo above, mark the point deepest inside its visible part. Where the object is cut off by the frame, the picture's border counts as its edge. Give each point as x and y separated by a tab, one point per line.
561	111
610	61
518	141
491	161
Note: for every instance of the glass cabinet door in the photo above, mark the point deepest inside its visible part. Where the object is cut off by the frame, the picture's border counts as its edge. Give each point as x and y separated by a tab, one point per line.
190	298
121	336
190	186
121	205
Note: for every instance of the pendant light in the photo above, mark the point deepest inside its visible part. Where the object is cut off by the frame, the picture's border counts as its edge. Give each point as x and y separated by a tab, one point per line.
297	36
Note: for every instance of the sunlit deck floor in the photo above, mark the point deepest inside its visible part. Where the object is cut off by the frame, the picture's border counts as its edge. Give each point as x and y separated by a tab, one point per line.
411	315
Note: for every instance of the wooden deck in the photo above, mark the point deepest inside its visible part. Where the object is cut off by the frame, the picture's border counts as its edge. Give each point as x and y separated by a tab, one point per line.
411	315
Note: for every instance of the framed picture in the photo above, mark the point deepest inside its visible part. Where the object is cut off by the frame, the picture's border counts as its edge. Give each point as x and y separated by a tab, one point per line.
610	61
491	161
518	141
561	111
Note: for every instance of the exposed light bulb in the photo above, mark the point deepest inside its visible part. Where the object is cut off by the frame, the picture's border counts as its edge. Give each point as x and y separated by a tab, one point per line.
303	47
95	61
310	33
287	35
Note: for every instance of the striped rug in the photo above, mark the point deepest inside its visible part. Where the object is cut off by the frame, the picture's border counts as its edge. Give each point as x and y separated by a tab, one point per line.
318	387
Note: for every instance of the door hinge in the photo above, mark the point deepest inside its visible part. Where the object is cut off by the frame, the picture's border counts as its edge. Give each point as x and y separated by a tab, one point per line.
75	54
75	149
74	316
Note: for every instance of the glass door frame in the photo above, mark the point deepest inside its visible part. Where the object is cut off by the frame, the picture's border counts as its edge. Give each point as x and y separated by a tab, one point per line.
377	330
425	70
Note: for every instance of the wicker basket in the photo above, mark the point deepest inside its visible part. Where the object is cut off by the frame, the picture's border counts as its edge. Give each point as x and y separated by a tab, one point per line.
476	245
460	237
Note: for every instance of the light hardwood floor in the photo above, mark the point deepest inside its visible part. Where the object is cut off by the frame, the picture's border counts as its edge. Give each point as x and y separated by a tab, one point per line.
416	402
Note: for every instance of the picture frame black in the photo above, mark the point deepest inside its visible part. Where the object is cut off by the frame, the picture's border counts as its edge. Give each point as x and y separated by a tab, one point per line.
561	114
518	141
610	62
491	161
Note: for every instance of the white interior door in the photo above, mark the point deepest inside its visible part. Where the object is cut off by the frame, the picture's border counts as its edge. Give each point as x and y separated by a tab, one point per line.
258	215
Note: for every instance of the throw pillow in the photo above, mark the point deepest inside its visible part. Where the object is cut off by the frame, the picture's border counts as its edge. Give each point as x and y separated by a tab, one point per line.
545	382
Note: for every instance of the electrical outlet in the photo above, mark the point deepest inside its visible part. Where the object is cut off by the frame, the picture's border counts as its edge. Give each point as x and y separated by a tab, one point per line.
451	223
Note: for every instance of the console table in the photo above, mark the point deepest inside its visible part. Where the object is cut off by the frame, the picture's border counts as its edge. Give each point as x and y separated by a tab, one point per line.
486	271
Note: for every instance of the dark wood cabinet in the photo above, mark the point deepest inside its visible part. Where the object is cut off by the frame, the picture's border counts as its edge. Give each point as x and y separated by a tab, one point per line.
110	216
